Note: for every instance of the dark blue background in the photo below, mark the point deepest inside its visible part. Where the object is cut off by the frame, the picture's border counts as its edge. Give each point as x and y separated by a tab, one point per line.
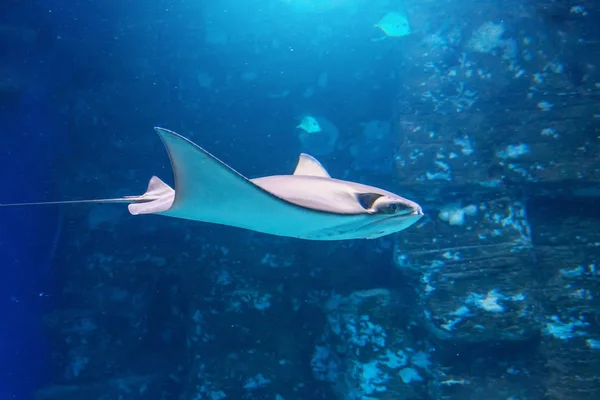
32	136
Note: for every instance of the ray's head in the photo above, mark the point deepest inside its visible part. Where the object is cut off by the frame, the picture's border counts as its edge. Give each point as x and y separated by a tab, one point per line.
389	213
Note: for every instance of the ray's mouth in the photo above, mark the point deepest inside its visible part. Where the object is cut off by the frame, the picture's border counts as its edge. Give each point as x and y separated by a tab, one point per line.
415	215
414	211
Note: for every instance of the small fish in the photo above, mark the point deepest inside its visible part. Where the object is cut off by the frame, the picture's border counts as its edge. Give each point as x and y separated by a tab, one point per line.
394	24
307	205
309	125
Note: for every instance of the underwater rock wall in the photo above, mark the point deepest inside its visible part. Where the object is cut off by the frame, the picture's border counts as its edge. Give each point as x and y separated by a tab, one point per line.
501	105
503	147
567	248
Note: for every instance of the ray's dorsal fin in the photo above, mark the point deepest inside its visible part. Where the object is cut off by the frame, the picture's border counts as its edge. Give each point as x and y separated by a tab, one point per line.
308	165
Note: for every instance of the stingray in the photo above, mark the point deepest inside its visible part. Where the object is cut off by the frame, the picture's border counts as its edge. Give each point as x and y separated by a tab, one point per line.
307	205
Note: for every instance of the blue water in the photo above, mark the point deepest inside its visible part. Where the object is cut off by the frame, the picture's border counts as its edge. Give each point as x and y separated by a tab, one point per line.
484	113
28	237
34	137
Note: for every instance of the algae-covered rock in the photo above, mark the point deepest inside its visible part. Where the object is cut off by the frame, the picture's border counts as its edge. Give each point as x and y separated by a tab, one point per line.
368	349
471	268
568	254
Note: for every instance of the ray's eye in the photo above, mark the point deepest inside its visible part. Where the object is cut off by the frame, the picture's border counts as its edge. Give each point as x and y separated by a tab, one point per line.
394	208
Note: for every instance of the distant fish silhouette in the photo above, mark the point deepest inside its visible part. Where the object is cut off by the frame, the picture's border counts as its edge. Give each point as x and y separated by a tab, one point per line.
309	125
308	204
394	24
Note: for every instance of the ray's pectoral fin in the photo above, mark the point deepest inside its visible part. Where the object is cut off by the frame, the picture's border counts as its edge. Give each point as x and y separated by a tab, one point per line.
158	197
206	189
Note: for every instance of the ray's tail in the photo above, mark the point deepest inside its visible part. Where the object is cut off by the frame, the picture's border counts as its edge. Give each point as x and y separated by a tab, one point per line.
158	197
95	201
